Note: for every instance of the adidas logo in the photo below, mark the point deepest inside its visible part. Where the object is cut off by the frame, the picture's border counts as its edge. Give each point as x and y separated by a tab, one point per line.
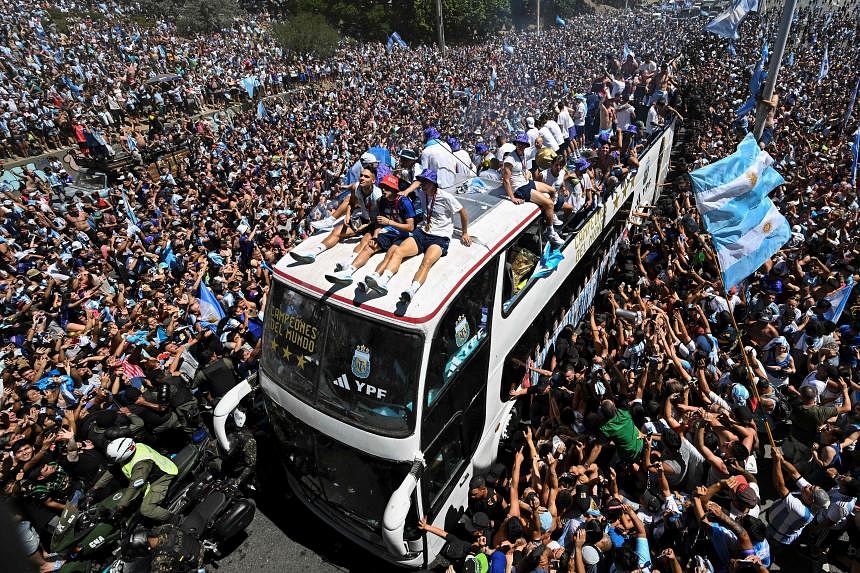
342	382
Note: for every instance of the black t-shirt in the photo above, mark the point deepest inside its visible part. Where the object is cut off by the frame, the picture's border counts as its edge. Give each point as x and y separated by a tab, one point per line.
87	467
218	377
179	391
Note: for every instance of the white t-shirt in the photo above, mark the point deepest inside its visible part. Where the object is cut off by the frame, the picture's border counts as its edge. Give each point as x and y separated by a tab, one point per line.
504	150
579	115
440	210
565	122
437	155
549	139
557	134
653	122
553	181
533	133
624	115
519	167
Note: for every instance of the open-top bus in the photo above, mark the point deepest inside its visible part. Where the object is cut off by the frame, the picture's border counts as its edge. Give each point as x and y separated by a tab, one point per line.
384	412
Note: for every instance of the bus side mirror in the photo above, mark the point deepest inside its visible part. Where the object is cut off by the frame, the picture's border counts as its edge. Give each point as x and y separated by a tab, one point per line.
394	518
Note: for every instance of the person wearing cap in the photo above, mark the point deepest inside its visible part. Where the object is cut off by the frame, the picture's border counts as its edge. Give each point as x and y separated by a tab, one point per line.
409	167
438	157
394	223
520	187
556	177
465	166
359	218
431	238
531	131
793	511
366	161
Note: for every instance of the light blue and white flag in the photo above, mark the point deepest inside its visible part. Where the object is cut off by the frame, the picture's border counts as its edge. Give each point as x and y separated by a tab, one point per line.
627	52
508	49
559	21
855	153
493	78
732	50
851	103
549	261
398	40
825	65
389	45
791	60
745	226
261	111
250	83
838	299
726	23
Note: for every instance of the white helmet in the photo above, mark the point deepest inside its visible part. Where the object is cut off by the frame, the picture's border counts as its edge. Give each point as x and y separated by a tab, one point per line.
120	450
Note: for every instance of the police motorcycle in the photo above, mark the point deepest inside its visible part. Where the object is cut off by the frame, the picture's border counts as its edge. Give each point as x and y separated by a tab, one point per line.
91	534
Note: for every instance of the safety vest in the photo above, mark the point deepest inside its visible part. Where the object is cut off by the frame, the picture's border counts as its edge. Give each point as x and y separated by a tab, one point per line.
143	452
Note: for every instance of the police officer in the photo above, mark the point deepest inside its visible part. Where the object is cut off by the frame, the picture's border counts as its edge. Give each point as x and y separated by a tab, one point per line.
146	470
172	550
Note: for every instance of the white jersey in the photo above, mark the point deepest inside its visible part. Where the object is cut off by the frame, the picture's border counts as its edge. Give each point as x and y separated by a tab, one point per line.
553	181
549	139
437	155
440	210
519	168
557	134
565	122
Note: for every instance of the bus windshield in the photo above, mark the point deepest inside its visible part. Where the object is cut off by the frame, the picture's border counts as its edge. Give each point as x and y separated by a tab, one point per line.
356	370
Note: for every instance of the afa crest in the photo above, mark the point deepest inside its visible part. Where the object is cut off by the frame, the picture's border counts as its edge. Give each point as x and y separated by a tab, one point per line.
361	362
461	331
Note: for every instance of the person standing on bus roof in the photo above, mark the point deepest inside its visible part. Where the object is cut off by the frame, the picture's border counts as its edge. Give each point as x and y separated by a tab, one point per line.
395	222
431	238
361	210
520	187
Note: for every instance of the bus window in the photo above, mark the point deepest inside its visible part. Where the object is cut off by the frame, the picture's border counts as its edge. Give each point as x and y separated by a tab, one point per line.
359	371
444	458
461	332
521	259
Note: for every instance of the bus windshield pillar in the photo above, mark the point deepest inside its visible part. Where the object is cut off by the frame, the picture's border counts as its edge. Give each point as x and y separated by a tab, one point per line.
394	518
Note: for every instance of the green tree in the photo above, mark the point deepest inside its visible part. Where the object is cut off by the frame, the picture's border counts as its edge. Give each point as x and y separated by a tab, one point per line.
306	33
206	16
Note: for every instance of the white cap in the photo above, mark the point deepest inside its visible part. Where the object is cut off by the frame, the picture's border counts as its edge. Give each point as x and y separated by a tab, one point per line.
530	121
368	157
77	246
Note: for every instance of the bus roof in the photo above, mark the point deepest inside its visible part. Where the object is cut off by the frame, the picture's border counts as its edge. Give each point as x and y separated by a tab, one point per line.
493	221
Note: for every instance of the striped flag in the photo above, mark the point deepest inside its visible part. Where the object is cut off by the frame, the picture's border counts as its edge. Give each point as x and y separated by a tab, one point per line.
745	226
825	65
855	152
838	299
851	103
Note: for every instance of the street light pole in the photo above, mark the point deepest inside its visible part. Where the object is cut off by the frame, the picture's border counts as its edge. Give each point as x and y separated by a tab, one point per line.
762	110
440	25
538	17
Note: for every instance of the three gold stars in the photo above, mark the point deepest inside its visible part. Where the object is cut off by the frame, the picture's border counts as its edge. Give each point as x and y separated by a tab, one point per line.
301	360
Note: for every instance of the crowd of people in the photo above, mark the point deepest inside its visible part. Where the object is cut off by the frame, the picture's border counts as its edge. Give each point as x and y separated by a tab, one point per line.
646	430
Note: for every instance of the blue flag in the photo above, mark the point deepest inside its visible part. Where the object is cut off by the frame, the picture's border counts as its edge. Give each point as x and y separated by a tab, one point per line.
791	60
726	23
132	144
559	21
732	197
825	65
549	261
398	40
732	51
850	109
168	256
508	49
389	44
855	153
838	299
261	111
129	212
627	51
210	309
249	83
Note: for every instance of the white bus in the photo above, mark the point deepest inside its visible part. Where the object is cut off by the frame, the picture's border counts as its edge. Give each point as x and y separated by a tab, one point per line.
384	412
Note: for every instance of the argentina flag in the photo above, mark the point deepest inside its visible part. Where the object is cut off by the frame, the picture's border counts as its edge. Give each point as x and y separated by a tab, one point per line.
745	225
726	23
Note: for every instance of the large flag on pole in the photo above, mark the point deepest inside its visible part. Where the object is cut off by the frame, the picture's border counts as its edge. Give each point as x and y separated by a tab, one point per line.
745	226
559	21
726	23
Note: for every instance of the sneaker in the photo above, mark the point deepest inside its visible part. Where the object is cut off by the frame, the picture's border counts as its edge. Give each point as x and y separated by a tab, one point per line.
370	280
342	277
406	296
323	224
362	288
381	287
555	240
555	220
303	258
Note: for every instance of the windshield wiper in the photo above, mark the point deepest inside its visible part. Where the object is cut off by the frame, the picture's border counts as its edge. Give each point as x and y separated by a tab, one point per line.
365	522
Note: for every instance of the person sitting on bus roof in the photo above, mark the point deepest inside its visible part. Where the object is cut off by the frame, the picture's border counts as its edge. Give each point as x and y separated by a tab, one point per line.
395	222
520	187
431	238
361	209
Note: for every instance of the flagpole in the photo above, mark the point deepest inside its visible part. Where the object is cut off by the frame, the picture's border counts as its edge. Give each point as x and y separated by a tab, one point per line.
440	25
763	110
740	341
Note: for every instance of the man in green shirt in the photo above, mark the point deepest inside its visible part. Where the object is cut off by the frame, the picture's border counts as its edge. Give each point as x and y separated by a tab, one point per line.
807	420
617	426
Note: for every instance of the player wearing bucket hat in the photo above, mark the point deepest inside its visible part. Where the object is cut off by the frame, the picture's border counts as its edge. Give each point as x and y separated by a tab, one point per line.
520	187
395	222
431	238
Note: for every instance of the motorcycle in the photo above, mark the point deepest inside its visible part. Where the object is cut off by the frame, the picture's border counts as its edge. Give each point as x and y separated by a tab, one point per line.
90	534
